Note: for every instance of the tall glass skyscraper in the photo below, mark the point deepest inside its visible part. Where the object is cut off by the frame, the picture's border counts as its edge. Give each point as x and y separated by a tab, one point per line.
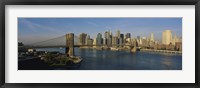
99	39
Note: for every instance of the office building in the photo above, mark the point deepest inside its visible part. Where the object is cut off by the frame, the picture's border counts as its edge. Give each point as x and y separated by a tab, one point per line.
152	37
115	41
128	35
175	39
166	37
118	33
104	41
82	38
87	39
99	39
107	34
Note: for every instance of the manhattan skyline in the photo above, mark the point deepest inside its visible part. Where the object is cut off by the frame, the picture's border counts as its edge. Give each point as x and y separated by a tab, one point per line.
32	30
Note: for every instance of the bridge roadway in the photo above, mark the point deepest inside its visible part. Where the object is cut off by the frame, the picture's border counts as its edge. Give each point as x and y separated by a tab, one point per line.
63	46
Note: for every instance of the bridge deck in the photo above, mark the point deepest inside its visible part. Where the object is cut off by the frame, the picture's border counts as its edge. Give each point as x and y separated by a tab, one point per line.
67	46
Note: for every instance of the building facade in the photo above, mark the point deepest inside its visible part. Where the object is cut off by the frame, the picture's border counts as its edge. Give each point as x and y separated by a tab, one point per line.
99	39
167	37
82	38
128	35
152	37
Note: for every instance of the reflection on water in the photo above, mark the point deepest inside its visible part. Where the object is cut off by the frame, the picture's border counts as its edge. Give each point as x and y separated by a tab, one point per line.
124	60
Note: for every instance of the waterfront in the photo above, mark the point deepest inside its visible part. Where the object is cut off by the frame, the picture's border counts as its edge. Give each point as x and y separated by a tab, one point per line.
123	60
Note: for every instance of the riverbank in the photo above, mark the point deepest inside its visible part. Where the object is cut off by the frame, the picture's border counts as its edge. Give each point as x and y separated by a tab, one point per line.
162	51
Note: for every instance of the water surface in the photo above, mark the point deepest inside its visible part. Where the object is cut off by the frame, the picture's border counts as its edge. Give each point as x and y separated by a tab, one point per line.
124	60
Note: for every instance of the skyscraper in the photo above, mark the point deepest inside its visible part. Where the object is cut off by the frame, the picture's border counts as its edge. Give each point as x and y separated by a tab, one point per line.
82	39
122	36
121	39
118	33
167	37
109	40
94	41
128	35
87	39
175	39
114	41
152	37
90	42
110	33
99	39
107	34
104	41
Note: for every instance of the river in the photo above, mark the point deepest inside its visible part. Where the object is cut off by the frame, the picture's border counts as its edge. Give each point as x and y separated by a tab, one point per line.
124	60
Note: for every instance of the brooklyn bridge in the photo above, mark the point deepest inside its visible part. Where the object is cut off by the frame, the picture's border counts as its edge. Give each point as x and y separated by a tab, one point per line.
68	41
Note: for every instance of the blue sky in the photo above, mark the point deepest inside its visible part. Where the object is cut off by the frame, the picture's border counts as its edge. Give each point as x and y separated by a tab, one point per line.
32	30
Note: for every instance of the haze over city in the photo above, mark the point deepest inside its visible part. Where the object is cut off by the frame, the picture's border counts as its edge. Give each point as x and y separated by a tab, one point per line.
31	30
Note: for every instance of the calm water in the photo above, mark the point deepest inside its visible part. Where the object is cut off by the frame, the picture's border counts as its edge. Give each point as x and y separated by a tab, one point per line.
124	60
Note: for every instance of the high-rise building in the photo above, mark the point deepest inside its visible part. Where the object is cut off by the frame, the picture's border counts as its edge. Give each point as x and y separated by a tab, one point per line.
175	39
94	41
90	42
122	36
152	37
128	35
118	33
114	41
144	42
87	39
99	39
104	41
167	37
82	39
151	41
121	39
107	35
109	40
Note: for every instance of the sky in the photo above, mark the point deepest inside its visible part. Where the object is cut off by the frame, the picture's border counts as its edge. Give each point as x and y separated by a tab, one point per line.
31	30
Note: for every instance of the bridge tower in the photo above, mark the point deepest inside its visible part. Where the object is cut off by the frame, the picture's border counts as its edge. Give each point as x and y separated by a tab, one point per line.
70	44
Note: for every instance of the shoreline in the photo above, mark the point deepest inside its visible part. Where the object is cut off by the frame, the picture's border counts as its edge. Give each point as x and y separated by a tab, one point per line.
162	51
149	50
